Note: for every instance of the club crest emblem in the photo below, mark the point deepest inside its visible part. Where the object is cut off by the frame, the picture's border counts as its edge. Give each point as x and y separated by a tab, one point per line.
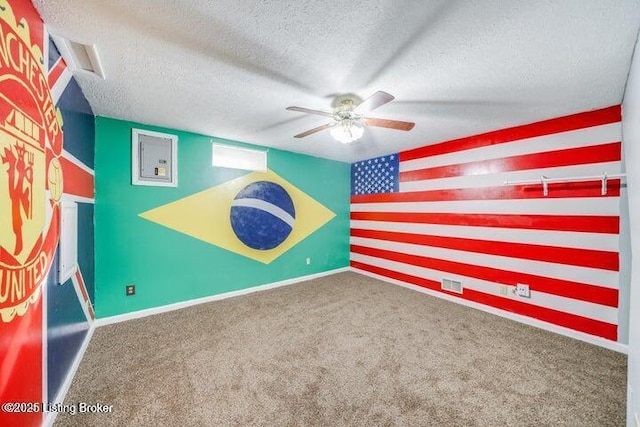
30	170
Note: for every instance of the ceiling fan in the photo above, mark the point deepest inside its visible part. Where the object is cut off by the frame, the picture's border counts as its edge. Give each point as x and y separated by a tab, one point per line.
349	117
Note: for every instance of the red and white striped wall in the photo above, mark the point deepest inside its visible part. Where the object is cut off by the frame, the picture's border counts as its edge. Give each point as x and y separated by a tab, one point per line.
454	218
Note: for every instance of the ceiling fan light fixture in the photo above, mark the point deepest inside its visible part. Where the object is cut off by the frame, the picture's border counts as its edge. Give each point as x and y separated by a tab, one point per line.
347	131
348	117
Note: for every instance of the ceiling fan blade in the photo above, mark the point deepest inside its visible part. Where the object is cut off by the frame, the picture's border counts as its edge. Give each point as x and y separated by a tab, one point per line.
310	111
391	124
374	101
314	130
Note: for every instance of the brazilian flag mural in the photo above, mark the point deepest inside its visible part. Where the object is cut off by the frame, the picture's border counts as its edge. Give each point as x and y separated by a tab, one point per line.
259	216
220	230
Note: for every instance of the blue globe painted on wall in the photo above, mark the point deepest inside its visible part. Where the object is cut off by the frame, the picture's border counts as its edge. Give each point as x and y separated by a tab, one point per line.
262	215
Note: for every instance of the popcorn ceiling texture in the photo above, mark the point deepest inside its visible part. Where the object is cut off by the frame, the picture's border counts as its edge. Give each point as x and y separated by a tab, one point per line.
229	68
343	350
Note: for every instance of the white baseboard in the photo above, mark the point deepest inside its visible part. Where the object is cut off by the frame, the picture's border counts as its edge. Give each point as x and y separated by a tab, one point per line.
176	306
50	417
611	345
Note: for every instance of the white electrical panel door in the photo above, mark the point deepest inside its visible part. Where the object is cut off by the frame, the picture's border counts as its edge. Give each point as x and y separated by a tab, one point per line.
68	240
154	157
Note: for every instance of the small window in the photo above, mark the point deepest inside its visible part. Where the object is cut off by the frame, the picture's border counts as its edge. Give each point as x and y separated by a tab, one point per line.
227	156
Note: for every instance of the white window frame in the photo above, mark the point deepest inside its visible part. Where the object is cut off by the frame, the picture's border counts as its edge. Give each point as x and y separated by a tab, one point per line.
259	155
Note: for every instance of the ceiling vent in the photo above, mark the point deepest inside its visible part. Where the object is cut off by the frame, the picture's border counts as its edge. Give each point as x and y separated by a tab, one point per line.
79	57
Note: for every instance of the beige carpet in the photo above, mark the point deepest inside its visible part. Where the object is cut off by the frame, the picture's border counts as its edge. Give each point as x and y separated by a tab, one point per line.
344	350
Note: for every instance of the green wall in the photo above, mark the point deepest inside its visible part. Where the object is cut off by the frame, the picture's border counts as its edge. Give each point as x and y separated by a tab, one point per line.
167	266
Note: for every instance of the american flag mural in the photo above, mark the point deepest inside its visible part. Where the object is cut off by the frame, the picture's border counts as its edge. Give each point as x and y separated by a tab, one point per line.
443	212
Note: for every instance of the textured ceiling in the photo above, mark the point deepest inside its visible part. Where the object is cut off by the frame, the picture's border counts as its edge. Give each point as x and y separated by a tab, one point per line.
229	68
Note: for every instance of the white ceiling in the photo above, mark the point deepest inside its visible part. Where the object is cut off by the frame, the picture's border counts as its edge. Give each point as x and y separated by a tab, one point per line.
229	68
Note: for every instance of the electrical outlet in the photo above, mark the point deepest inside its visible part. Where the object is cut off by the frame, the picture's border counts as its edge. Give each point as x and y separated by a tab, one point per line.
130	290
504	290
523	290
308	261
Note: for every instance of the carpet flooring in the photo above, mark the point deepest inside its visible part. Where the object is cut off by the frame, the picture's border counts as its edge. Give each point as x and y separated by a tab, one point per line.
343	350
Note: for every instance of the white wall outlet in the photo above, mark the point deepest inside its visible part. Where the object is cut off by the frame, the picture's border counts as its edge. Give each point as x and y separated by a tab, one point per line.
308	261
523	290
504	290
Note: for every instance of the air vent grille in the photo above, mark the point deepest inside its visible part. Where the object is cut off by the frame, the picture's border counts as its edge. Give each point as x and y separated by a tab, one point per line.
452	285
79	56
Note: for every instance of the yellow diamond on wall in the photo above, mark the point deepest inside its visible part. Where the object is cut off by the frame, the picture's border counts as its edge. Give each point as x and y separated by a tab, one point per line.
260	215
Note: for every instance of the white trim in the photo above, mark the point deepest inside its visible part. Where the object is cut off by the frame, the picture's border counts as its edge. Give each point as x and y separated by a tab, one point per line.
601	342
68	241
50	417
77	199
178	305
